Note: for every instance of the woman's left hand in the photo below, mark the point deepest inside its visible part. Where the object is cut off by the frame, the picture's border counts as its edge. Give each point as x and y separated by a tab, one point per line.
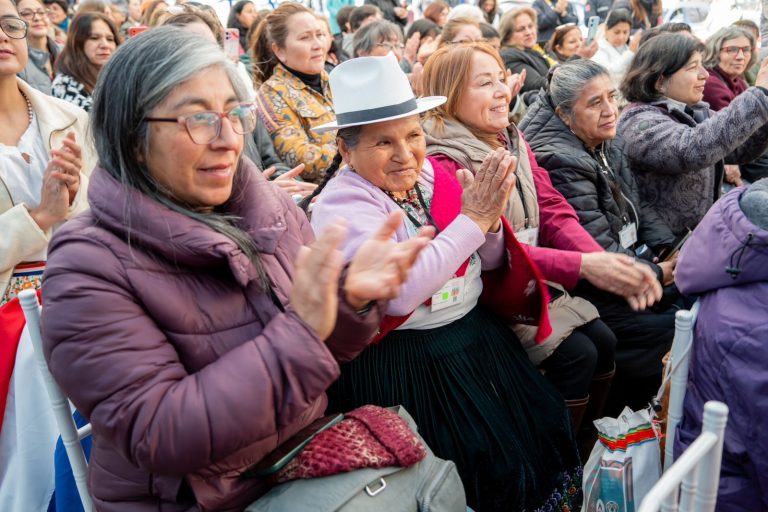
67	160
289	183
587	52
515	81
733	175
412	47
380	266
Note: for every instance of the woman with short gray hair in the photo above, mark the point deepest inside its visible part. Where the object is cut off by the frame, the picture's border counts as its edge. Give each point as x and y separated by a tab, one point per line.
378	39
729	54
572	131
183	315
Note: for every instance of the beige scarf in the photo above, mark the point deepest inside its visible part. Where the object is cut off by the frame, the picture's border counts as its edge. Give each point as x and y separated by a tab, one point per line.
456	142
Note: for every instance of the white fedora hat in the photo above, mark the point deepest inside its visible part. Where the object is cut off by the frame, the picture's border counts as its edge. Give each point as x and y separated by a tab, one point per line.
372	90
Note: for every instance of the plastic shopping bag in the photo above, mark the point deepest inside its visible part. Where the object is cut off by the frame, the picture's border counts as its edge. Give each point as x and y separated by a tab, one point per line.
624	464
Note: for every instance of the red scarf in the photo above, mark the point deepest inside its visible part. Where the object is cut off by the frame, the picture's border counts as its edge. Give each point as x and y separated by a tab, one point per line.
516	292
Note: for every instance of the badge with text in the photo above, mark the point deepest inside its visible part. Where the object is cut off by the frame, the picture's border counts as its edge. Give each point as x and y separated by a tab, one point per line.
528	236
628	235
451	294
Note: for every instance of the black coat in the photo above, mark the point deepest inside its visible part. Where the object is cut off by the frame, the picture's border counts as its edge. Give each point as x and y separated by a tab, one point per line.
549	19
534	64
597	183
387	8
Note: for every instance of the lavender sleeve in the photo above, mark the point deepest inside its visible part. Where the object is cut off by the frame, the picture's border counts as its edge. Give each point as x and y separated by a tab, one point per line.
365	208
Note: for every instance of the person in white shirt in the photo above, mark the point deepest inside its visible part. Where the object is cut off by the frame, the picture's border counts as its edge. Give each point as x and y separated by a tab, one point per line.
616	50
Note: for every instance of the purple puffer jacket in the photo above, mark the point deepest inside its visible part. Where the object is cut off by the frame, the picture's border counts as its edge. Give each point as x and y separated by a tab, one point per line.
187	370
729	361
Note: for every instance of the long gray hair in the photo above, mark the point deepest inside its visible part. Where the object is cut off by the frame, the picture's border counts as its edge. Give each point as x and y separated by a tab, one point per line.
568	82
138	77
715	43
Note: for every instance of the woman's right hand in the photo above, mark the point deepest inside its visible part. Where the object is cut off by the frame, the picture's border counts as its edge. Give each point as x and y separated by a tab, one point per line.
315	286
377	270
60	184
762	75
486	194
622	275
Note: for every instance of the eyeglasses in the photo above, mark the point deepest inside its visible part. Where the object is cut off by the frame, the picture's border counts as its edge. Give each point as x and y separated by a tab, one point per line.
391	46
733	51
15	28
30	15
205	127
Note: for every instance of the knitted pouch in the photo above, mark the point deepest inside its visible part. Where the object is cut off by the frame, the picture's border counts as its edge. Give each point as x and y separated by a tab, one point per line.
368	437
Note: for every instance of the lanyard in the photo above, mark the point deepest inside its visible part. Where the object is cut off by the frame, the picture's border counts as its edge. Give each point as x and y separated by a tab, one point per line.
519	185
423	205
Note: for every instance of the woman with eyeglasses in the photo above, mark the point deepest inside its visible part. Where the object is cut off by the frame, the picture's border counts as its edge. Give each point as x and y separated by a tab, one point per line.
378	39
677	145
185	315
293	94
45	157
43	50
92	40
728	56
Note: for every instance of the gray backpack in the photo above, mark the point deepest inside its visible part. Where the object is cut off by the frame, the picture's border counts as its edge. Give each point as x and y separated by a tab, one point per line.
431	485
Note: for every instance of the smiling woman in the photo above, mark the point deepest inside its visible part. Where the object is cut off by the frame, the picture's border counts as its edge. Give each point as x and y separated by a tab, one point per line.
43	50
91	42
677	145
211	333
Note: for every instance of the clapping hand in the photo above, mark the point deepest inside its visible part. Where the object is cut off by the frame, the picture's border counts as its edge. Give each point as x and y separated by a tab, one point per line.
515	81
61	182
376	272
289	183
486	194
380	266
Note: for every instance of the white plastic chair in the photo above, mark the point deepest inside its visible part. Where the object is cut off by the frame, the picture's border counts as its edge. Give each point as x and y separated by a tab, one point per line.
70	434
691	483
678	370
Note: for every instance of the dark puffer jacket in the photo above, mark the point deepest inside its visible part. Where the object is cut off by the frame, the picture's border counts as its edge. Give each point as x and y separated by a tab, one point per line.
598	184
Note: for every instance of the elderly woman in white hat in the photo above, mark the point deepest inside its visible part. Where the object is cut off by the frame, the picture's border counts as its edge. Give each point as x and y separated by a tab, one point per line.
442	352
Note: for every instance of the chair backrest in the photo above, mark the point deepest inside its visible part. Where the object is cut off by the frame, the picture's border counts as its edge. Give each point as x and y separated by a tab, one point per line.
70	435
691	483
678	367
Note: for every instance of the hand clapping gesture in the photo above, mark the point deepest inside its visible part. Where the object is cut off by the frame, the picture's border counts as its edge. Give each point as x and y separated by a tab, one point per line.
486	194
60	184
376	272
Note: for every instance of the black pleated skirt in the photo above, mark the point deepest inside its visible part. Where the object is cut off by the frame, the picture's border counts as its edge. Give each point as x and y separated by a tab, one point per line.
478	401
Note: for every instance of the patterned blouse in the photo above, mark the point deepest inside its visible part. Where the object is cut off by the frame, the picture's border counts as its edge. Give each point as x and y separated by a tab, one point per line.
69	89
289	109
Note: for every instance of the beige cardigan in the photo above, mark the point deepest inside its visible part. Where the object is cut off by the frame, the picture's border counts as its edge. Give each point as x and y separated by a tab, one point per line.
20	234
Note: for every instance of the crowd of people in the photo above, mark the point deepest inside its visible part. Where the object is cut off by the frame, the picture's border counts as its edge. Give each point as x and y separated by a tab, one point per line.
238	226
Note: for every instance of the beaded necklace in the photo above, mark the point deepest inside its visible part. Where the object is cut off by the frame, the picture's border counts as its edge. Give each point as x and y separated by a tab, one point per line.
31	116
30	112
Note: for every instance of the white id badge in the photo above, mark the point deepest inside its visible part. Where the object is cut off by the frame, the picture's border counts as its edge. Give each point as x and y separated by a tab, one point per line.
528	236
628	235
451	294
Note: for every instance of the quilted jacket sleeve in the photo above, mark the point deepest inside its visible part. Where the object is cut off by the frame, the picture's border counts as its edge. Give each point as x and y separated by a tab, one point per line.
658	143
124	375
